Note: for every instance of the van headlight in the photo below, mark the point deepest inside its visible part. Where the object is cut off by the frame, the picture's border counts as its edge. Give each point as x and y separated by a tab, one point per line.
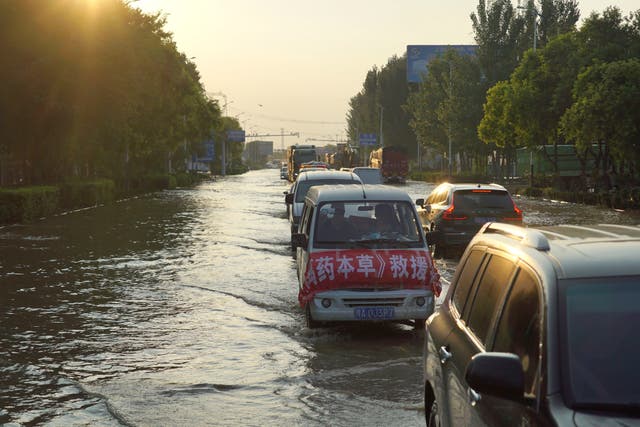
420	301
326	302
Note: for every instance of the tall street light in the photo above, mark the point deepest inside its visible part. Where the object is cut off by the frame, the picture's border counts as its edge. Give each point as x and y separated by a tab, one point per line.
535	43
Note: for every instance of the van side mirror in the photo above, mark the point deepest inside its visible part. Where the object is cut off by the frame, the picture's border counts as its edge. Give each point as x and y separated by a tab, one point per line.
299	240
420	202
288	198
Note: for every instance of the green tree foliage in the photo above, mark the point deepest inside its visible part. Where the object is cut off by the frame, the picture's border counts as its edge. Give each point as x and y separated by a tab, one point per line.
606	109
386	88
95	88
536	106
498	31
448	106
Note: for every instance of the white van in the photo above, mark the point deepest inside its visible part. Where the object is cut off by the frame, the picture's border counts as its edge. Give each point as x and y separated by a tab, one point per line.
362	255
295	197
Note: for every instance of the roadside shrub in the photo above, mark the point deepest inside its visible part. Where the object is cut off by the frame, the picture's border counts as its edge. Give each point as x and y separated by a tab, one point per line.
28	203
78	194
151	183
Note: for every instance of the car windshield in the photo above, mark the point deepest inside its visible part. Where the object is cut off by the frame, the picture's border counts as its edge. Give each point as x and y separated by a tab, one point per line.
482	199
599	320
303	186
367	224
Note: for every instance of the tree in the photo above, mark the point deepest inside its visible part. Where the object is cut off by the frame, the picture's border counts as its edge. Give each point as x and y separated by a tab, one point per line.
606	109
111	98
448	106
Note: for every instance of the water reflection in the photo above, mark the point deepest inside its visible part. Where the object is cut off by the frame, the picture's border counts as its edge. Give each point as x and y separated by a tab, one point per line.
180	308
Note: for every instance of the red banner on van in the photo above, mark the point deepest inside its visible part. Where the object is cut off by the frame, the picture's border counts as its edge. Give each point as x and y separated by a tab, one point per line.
357	268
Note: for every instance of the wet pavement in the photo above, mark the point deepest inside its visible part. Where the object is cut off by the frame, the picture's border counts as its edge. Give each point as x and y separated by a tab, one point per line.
180	308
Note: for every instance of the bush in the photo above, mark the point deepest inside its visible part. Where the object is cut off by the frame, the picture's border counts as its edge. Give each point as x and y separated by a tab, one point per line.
78	194
28	203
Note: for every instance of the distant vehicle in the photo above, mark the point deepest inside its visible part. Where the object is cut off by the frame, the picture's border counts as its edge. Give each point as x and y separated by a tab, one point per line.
345	156
369	175
284	172
356	264
297	155
393	163
295	198
313	165
538	328
458	211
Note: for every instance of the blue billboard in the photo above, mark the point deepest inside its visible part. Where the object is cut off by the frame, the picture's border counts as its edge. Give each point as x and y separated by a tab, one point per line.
418	56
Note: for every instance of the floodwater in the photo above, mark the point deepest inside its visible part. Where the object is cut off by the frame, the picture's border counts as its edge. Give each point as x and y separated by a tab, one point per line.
179	308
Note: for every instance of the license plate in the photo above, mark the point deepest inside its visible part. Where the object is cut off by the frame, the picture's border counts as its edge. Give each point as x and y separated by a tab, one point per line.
371	313
482	220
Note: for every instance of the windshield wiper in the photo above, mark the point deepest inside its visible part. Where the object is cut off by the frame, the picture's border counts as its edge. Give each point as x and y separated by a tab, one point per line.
385	240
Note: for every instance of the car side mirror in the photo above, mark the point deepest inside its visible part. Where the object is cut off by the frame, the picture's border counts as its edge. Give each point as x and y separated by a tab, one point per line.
420	202
496	374
299	240
288	198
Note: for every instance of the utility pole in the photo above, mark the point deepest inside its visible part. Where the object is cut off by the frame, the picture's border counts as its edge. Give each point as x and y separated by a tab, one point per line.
381	136
450	109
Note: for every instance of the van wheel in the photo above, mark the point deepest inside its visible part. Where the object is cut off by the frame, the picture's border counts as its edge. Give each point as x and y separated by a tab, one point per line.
440	251
311	324
418	324
434	418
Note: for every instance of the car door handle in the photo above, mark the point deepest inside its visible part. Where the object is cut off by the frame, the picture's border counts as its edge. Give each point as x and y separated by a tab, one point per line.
474	397
444	354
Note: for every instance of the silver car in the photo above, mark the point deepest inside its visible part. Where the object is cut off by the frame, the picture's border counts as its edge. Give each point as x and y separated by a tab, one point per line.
538	328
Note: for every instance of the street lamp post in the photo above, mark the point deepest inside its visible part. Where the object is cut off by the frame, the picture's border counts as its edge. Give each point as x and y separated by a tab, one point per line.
535	44
450	103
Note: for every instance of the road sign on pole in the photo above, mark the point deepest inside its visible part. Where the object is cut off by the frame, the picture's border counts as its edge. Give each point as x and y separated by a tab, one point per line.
368	139
235	135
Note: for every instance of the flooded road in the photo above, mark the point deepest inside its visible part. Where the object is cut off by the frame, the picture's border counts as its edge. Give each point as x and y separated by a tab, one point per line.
180	308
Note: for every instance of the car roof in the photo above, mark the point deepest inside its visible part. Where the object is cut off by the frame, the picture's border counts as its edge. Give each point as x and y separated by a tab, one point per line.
575	251
326	174
369	192
470	186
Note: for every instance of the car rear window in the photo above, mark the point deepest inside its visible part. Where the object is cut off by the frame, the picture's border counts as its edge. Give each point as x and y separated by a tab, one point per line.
303	186
480	198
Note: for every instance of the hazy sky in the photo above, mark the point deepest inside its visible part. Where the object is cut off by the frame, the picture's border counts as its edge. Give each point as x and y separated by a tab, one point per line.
293	65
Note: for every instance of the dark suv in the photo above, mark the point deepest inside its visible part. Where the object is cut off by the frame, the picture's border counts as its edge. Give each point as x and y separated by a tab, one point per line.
458	211
538	328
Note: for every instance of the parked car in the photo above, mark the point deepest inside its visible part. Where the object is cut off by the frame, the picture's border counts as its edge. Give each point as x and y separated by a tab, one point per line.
361	255
538	328
458	211
295	198
284	172
368	175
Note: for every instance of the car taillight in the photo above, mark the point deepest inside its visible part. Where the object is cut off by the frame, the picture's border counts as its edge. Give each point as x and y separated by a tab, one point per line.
517	214
449	214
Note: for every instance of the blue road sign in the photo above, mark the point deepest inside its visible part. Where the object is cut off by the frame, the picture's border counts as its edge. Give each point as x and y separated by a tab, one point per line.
209	150
418	56
235	135
368	139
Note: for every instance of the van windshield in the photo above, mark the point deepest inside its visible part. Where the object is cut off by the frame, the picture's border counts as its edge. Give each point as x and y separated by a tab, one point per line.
384	224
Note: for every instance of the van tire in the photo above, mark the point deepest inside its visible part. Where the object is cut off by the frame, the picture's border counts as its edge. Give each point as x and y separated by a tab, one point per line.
419	324
311	324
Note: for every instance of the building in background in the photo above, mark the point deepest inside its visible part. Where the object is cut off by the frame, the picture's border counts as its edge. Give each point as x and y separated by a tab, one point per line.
258	153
